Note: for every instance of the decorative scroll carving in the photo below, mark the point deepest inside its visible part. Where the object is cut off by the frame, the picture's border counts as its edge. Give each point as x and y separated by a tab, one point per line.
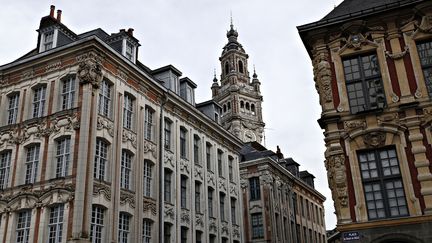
198	173
103	123
388	118
398	55
149	205
53	66
355	124
169	159
266	178
356	41
90	69
27	74
211	179
425	25
225	229
129	136
184	166
150	147
233	189
236	231
102	189
169	212
185	216
127	197
222	184
374	139
212	225
322	77
337	179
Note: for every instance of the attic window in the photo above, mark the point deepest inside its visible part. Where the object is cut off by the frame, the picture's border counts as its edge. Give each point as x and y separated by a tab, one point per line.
130	51
48	40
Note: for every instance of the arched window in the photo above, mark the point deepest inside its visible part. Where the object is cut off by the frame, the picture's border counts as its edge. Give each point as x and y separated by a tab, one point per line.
240	64
229	105
226	68
242	104
224	108
253	108
247	106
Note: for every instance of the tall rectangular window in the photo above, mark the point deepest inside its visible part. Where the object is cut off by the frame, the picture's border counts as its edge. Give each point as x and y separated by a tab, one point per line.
38	101
257	226
104	105
208	156
146	235
219	162
55	224
97	225
363	83
32	162
13	108
148	123
5	162
68	93
167	134
222	206
147	178
128	107
48	42
23	226
382	182
210	202
167	185
255	190
126	168
230	168
196	149
183	191
183	234
63	157
197	197
183	145
130	50
233	211
101	160
124	225
425	54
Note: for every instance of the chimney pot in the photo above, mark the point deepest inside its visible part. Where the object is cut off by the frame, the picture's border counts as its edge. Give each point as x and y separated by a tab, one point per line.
130	31
52	8
59	12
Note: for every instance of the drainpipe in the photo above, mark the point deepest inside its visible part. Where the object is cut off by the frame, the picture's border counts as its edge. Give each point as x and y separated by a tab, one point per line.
161	171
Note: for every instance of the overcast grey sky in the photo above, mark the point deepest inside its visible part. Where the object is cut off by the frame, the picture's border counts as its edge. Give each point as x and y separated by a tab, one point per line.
190	34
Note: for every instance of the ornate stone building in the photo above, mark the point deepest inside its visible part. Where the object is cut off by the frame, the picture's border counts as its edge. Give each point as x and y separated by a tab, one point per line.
280	203
372	67
97	147
239	97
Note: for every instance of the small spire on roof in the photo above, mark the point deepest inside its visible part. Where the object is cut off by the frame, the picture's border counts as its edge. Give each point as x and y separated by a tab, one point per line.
232	25
254	74
214	76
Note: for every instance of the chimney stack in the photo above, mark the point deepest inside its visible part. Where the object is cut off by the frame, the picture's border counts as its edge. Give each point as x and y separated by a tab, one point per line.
52	8
130	31
59	12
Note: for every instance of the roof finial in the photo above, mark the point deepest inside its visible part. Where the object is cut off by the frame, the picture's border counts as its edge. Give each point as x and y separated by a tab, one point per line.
214	76
254	74
232	25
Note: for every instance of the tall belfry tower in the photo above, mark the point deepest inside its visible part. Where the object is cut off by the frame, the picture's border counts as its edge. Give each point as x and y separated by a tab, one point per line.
239	96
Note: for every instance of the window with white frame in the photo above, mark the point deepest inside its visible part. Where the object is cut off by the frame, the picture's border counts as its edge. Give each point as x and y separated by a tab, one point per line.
146	235
425	54
55	224
167	185
147	178
257	226
130	51
101	160
13	108
97	224
5	162
148	123
255	190
48	40
183	142
167	134
105	96
183	191
126	168
124	227
32	162
63	156
23	226
196	149
128	107
68	93
38	105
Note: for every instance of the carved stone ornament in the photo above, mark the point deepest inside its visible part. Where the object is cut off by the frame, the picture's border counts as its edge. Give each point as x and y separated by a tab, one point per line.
169	159
266	178
90	69
127	197
199	220
355	124
236	231
198	173
425	25
150	147
185	216
374	139
336	174
104	123
222	184
184	166
211	179
322	77
149	205
244	183
399	55
212	225
356	41
102	189
233	189
169	212
129	136
225	229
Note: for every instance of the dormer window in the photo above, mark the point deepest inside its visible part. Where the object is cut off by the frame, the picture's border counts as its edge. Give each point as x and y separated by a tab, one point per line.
48	40
129	51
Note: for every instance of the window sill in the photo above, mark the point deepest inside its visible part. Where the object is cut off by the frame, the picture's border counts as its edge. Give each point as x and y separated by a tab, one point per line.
370	111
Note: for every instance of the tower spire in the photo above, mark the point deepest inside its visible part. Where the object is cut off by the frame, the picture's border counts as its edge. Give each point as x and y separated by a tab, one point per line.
231	25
